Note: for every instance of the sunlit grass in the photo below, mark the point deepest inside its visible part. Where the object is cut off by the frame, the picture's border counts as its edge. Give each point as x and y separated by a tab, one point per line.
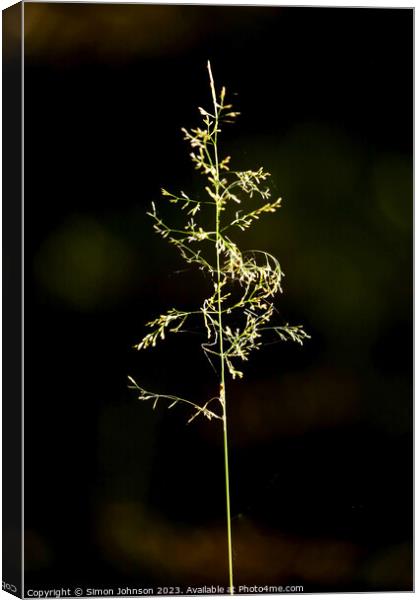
244	283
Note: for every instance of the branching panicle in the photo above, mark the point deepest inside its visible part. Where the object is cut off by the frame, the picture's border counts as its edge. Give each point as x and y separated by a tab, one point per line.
257	273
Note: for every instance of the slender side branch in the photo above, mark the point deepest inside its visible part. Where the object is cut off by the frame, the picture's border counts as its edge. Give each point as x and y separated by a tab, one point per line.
145	395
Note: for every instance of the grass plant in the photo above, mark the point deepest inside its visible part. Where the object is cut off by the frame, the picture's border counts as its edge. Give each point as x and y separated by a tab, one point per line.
244	283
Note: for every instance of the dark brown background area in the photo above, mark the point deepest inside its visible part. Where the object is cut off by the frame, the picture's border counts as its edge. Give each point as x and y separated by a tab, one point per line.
321	436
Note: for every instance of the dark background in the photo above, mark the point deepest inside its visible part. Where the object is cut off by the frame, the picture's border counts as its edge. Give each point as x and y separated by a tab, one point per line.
320	436
12	299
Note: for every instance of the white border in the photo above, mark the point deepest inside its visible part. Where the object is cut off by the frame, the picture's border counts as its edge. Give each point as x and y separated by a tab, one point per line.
320	3
23	290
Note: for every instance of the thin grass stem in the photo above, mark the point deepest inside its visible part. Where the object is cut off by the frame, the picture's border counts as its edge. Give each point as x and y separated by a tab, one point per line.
220	323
